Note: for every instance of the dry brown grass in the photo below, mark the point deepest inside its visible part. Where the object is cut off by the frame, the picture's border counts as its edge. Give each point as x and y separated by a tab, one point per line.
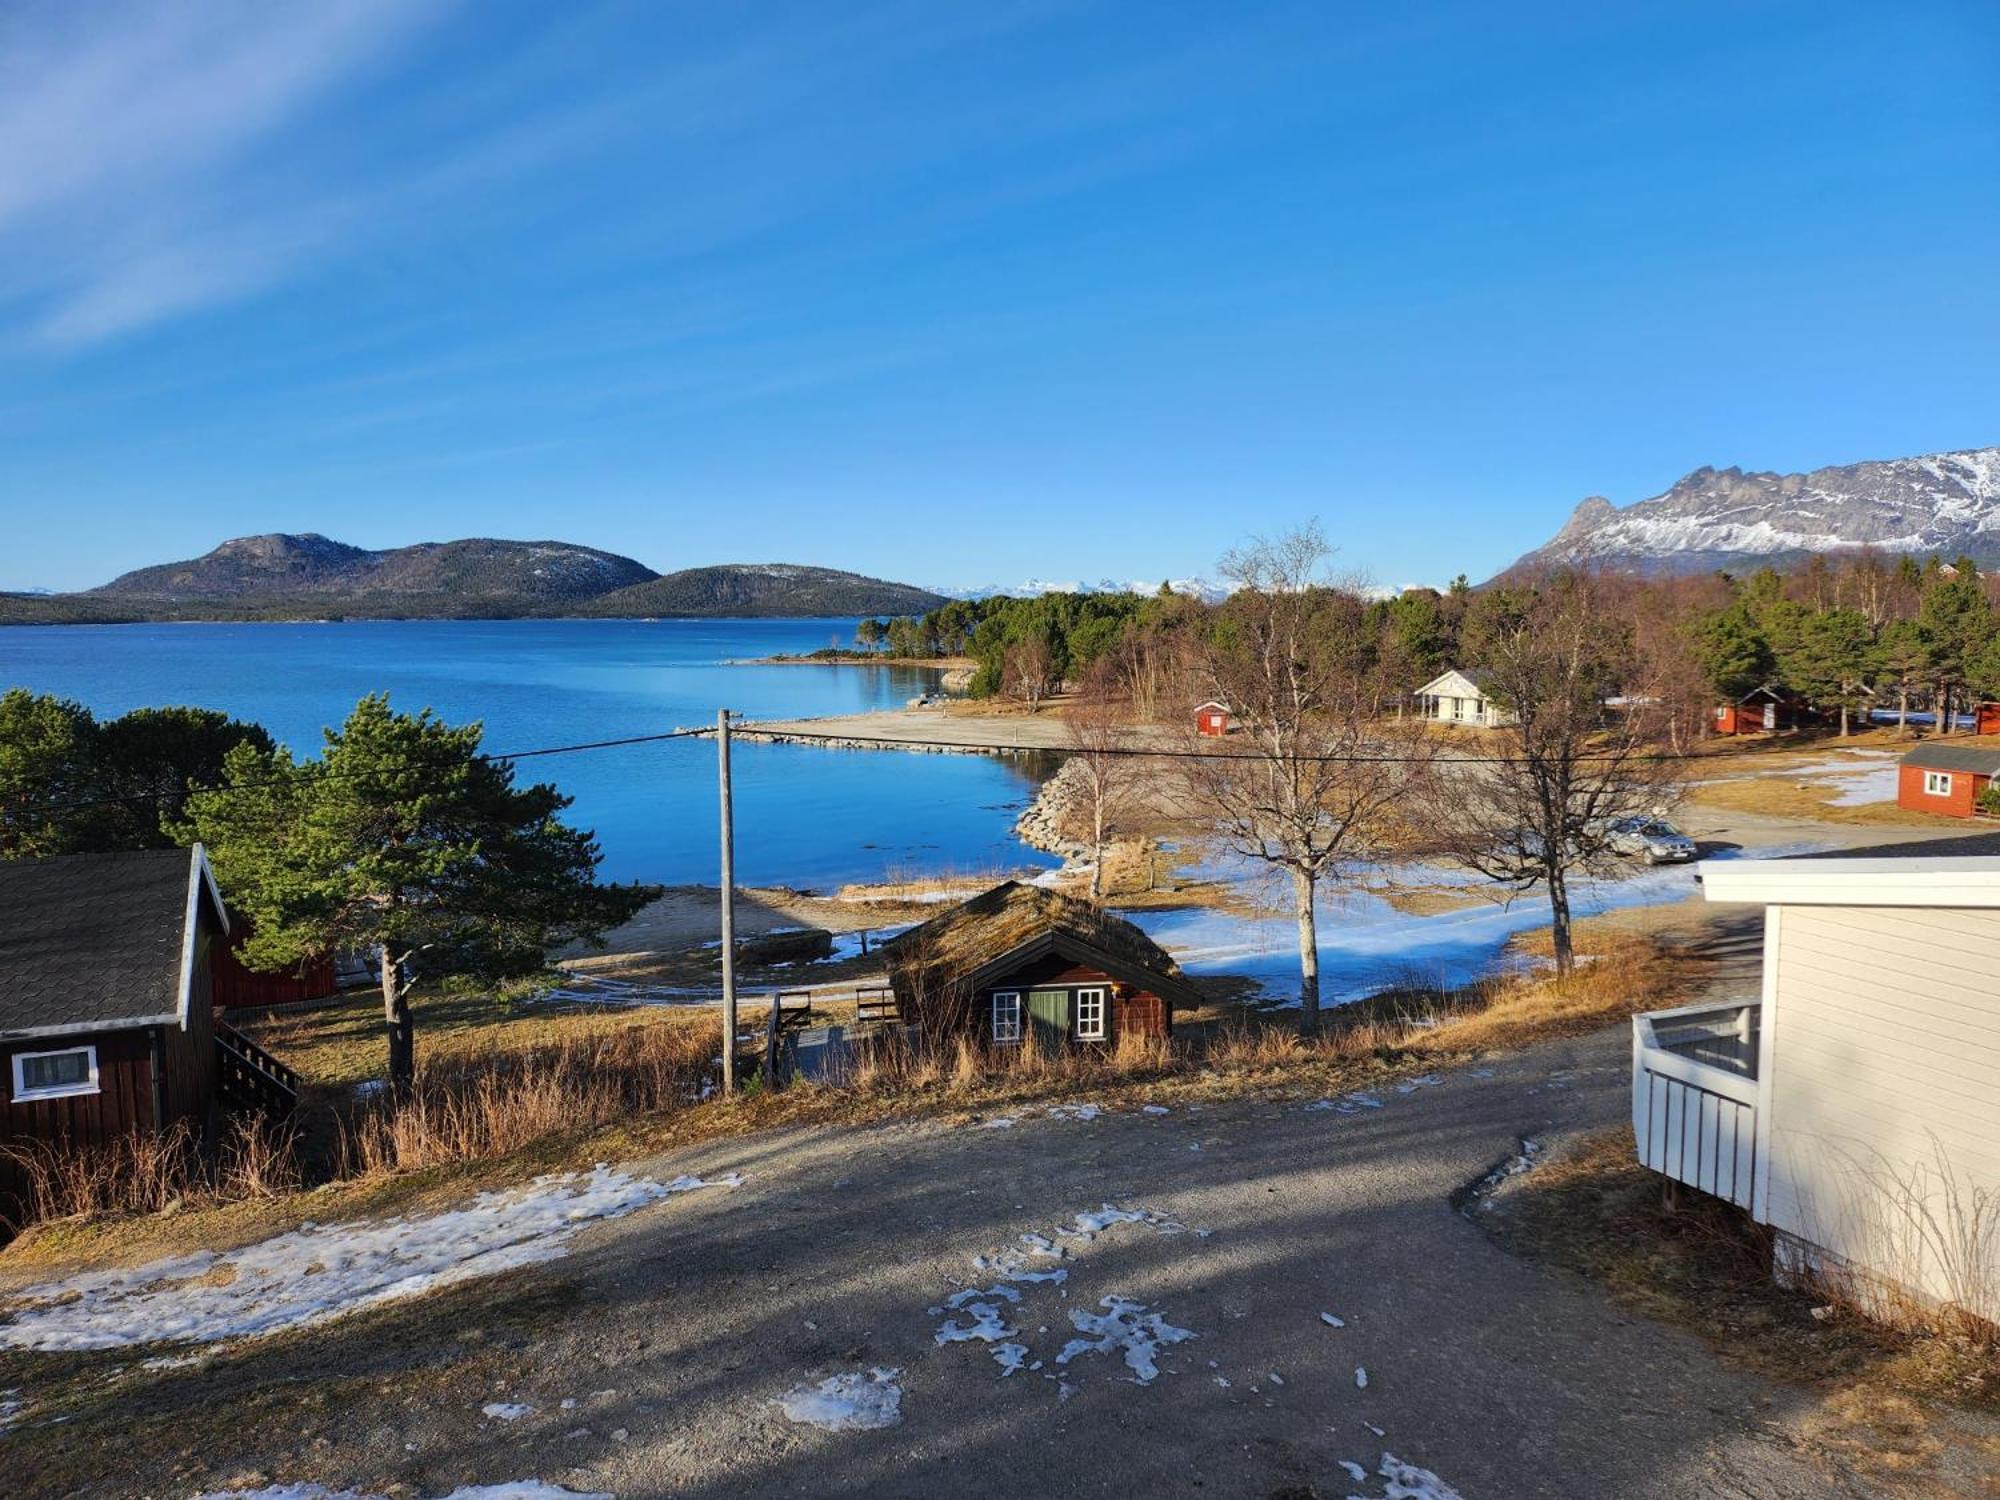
486	1104
503	1089
1704	1267
1776	795
146	1172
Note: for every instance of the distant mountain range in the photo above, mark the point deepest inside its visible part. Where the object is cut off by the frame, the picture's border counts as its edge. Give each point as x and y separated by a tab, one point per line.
1199	588
1947	503
308	576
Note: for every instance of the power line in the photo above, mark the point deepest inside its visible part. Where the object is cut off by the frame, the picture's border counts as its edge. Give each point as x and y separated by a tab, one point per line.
751	730
495	757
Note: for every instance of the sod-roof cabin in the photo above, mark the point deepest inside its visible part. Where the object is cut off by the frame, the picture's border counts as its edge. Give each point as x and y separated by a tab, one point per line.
1019	961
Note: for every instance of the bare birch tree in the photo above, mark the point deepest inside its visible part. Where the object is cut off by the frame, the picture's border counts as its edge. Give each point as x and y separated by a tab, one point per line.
1096	731
1311	781
1537	802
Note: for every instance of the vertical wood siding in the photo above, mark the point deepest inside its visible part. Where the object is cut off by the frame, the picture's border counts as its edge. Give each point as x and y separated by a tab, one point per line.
1885	1082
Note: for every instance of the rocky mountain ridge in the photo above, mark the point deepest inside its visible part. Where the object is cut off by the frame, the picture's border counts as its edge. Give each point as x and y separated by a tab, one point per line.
1947	503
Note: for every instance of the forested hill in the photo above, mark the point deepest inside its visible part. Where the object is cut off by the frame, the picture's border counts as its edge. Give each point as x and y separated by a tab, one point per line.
308	576
749	589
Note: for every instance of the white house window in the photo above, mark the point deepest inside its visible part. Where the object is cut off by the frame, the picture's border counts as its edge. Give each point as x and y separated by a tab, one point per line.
1090	1015
1006	1015
1937	783
54	1075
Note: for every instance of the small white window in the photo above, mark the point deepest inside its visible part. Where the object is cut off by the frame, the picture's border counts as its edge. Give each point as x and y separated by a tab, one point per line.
55	1075
1006	1015
1937	783
1090	1015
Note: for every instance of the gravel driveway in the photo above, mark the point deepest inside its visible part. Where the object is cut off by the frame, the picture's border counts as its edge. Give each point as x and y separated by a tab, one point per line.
835	1259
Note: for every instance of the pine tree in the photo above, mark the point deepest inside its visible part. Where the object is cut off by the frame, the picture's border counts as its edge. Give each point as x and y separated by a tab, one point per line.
402	839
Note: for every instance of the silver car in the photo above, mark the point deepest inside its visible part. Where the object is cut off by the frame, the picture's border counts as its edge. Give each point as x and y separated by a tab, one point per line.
1657	842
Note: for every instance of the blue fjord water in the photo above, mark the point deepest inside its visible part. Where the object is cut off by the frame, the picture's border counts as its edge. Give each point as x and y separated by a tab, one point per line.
806	817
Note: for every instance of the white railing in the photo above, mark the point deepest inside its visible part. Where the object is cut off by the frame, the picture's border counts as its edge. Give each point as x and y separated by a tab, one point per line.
1694	1097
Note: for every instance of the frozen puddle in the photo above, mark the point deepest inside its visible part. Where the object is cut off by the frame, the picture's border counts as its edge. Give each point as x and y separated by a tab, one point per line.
855	1402
318	1272
1125	1327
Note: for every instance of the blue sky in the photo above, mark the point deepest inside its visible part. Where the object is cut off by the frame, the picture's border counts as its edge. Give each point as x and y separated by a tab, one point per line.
963	294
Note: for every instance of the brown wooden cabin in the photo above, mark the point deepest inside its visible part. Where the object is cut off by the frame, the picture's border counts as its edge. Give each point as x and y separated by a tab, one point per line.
1019	960
107	1019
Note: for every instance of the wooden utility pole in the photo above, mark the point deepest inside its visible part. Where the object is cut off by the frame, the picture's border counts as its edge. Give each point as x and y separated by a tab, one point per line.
728	907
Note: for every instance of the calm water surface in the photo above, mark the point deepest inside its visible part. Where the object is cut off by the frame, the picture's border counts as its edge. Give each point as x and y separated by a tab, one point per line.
803	816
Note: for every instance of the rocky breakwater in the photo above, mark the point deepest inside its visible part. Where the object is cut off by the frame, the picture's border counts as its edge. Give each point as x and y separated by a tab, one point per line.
1058	820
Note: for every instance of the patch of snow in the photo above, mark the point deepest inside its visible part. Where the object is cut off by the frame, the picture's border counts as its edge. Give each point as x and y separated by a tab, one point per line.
1074	1111
1154	1109
1405	1481
999	1122
1360	1378
1354	1471
523	1489
506	1411
855	1402
1331	1321
1127	1328
989	1325
1010	1358
319	1272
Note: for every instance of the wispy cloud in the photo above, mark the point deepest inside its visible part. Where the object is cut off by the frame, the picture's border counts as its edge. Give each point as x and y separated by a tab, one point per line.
130	138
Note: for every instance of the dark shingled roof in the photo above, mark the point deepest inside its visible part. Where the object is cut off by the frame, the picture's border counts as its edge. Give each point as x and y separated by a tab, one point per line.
90	941
969	943
1934	757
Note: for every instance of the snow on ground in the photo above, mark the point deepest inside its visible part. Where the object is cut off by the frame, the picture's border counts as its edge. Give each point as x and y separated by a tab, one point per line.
1127	1328
506	1411
1863	776
854	1402
317	1272
1405	1481
1367	945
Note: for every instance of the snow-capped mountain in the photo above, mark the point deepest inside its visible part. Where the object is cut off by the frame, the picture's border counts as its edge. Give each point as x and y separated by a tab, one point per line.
1200	588
1948	503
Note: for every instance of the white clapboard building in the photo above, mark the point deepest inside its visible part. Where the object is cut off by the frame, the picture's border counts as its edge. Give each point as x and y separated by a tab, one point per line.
1457	697
1854	1105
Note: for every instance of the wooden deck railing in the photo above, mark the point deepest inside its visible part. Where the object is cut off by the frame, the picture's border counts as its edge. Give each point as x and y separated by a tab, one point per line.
1694	1097
249	1077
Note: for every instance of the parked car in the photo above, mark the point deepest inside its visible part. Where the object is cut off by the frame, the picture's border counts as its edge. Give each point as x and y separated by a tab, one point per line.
1655	841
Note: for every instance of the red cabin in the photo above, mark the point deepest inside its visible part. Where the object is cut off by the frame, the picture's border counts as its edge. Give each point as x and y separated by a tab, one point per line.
1214	719
1945	779
1986	718
1763	710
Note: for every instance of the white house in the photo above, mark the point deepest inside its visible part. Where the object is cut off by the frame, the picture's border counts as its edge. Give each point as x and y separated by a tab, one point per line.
1855	1105
1460	698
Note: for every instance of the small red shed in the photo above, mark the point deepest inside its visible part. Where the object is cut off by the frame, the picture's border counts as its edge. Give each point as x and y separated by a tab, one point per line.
1945	779
1986	718
1764	710
1214	719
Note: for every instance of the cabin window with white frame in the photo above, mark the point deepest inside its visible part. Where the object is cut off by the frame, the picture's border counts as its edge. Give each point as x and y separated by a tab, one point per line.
55	1075
1006	1016
1090	1015
1937	783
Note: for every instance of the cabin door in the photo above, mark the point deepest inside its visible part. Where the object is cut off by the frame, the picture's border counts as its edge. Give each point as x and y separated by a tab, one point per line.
1048	1014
